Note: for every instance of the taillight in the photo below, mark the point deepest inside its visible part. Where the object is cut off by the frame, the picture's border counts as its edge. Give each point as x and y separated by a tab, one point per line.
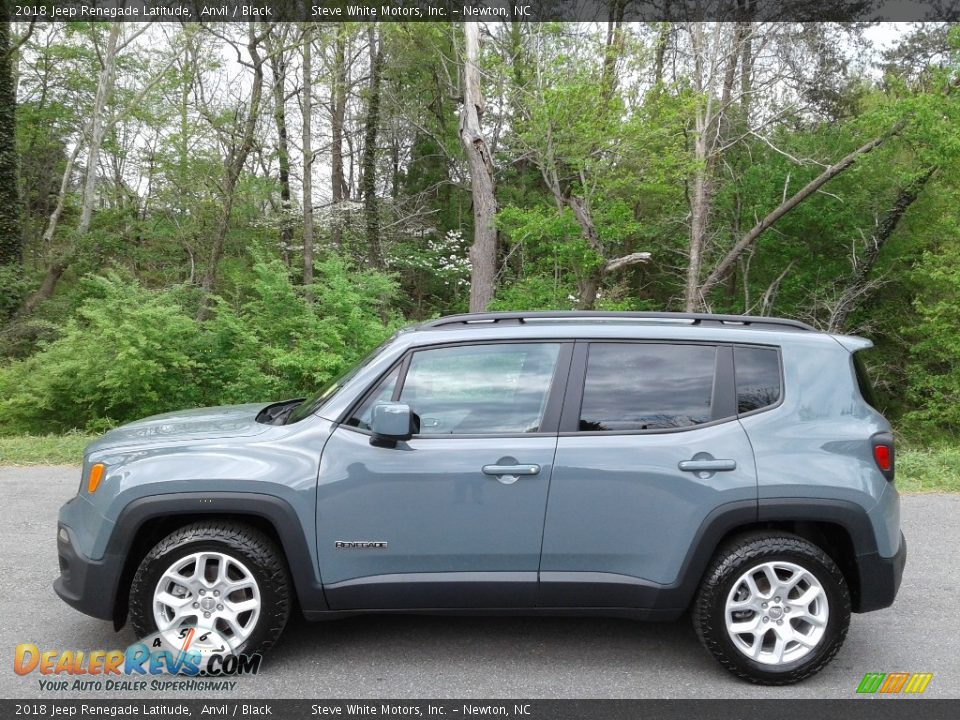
883	453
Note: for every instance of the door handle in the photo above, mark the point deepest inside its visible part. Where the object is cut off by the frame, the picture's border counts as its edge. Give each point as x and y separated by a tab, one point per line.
509	474
705	467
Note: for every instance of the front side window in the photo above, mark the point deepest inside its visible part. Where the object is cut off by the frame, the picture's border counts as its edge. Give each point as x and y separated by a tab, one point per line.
758	378
647	386
480	389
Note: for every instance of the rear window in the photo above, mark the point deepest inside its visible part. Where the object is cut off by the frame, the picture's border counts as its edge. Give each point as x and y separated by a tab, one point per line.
647	386
758	378
863	381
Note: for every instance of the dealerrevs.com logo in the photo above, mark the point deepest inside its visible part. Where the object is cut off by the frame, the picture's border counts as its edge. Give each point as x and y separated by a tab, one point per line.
894	683
145	665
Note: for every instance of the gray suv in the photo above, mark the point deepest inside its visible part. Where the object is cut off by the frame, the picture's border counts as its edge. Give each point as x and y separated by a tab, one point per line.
636	465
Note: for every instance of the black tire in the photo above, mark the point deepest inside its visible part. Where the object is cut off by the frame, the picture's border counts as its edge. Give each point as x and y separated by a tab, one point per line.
727	566
250	546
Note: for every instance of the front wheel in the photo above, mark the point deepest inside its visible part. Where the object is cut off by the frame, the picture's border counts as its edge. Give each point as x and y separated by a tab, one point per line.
227	580
773	608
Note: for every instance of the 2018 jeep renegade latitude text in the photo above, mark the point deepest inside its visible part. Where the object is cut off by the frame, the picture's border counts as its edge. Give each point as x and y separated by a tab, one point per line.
630	464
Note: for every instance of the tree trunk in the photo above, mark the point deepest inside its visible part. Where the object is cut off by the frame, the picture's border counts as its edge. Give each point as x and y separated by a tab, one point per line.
307	155
11	227
98	128
60	262
371	209
613	49
233	166
747	7
338	107
57	267
699	221
483	252
660	55
278	65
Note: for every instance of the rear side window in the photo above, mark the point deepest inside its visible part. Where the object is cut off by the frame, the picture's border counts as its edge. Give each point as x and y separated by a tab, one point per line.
758	378
863	381
647	386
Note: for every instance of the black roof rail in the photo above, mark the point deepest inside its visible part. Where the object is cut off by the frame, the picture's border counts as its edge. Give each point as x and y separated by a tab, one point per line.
494	318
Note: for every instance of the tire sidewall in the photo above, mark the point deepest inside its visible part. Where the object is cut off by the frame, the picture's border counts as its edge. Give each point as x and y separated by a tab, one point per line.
838	605
155	564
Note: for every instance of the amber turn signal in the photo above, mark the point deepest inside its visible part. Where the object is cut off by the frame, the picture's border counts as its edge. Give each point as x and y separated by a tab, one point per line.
96	475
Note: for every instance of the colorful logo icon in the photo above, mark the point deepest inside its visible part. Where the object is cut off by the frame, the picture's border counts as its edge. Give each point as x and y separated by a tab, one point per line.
894	683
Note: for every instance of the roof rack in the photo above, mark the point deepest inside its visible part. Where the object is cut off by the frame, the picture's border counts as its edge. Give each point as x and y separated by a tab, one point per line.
520	318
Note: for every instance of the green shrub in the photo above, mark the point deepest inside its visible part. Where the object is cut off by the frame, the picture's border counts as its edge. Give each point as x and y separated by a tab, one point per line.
933	380
128	351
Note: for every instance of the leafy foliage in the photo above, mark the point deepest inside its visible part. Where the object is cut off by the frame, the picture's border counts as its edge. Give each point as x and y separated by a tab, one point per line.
129	351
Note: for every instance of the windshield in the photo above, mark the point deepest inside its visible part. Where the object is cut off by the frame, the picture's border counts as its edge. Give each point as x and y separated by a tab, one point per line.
315	402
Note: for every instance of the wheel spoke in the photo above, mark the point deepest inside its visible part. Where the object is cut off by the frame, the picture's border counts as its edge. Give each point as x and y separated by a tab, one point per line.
172	601
234	626
815	620
757	645
752	586
779	646
772	580
748	603
807	597
241	607
235	585
804	640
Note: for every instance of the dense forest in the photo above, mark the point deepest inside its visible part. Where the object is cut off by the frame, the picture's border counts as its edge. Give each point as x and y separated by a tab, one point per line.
205	214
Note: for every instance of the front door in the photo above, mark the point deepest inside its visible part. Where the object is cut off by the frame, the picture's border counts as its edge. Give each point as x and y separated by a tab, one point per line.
454	516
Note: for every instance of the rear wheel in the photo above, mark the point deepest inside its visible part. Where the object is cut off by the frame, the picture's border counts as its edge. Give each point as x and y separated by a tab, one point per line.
773	608
227	580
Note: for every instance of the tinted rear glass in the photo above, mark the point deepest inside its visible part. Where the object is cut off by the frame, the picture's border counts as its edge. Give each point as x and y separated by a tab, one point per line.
863	381
641	386
758	378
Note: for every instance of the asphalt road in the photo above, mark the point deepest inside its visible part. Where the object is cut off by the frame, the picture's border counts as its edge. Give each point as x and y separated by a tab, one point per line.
422	657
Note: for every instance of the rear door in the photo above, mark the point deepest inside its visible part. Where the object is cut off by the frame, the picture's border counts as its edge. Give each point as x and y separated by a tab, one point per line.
454	516
649	445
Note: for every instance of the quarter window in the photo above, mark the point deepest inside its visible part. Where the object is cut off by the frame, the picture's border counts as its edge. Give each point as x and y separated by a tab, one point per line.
480	389
647	386
758	378
383	392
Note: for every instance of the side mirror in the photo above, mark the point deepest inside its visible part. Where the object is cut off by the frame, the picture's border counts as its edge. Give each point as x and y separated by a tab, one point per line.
390	423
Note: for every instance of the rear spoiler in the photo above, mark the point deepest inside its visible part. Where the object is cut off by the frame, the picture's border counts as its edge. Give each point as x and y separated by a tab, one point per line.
853	343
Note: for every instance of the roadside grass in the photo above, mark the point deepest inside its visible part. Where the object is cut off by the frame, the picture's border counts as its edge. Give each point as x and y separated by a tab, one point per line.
919	469
930	469
43	449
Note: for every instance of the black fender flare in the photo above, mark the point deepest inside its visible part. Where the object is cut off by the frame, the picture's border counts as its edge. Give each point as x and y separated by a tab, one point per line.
304	572
727	518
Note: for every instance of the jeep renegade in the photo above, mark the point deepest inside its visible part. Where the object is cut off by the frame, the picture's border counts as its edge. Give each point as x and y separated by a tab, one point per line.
629	464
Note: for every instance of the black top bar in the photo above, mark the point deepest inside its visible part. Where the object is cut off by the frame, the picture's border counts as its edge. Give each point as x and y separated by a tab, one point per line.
490	11
492	318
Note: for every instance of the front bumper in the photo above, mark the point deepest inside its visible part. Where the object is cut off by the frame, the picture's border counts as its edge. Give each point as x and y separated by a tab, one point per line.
88	585
879	578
